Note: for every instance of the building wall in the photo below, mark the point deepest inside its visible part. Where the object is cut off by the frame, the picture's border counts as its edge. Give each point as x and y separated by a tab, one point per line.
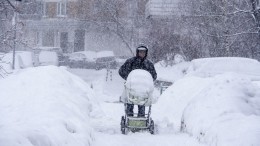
62	30
48	28
97	41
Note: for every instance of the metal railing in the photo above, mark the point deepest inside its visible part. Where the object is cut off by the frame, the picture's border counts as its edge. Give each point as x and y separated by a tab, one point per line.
3	72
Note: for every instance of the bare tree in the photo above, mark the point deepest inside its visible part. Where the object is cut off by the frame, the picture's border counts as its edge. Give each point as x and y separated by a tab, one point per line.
8	26
163	40
225	27
256	12
111	16
6	11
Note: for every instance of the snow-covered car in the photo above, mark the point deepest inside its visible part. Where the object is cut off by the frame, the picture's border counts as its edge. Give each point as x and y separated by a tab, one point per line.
106	62
23	59
27	58
82	59
52	49
64	59
121	59
57	50
106	59
48	58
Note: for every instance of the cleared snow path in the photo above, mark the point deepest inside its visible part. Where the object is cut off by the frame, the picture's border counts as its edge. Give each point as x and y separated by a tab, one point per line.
107	123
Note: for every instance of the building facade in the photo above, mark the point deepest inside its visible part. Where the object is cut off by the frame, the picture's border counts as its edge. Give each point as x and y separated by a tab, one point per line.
66	24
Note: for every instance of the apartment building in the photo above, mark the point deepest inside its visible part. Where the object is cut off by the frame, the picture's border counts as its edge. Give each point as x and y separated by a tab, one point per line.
67	24
52	23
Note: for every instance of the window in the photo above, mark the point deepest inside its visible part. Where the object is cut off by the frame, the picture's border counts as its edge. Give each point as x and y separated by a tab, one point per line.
48	38
37	40
62	8
79	40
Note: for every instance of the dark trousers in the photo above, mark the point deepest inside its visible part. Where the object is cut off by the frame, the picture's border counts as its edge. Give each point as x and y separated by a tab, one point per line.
130	110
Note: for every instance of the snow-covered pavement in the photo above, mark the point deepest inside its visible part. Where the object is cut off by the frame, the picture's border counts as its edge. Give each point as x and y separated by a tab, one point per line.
107	124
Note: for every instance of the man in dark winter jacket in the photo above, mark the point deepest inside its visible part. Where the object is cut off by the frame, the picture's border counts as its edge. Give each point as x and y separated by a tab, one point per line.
137	62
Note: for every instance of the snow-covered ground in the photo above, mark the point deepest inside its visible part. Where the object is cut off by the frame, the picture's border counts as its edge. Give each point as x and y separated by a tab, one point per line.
216	103
107	124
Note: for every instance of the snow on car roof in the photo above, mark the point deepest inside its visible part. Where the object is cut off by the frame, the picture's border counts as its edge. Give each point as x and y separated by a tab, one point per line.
105	54
90	55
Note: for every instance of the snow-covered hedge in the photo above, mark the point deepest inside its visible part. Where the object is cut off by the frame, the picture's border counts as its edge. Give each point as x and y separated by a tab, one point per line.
45	106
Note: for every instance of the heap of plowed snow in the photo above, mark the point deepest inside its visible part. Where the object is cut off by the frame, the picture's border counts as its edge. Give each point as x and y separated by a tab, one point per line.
45	106
218	102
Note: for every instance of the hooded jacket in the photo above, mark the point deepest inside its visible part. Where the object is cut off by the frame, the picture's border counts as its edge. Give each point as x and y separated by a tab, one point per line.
137	63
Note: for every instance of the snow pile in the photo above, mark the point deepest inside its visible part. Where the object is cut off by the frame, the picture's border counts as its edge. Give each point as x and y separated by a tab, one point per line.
227	112
171	73
221	108
45	106
208	67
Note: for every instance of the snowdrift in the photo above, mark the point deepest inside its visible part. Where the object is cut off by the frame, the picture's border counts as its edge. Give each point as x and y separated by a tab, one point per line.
176	71
218	103
208	67
45	106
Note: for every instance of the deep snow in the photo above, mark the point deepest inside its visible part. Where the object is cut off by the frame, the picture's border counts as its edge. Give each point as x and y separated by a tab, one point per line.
45	106
217	102
107	125
50	106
